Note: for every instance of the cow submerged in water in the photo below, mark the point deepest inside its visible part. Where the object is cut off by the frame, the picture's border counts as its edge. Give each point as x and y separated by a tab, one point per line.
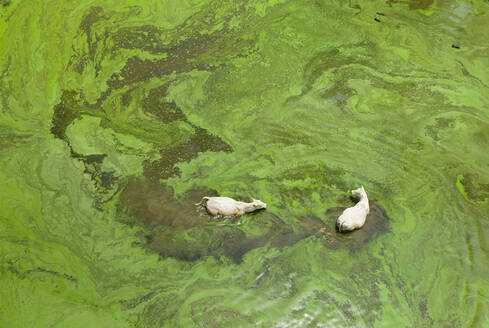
354	217
226	206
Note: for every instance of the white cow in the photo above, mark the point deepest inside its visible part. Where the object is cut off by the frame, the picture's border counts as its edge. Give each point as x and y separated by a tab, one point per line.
226	206
354	217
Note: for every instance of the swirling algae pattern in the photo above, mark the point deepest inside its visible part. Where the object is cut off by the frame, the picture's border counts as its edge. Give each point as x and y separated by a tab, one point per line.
117	116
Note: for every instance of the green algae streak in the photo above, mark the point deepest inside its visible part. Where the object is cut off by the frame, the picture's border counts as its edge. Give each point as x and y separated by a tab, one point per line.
117	116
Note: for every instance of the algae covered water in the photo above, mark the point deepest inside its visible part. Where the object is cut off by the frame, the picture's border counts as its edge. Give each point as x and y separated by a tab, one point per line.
116	117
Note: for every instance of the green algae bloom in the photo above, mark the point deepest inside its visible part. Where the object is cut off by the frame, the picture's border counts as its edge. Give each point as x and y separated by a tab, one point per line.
116	117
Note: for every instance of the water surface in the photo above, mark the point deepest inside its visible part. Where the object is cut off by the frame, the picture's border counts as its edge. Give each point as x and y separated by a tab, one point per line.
117	116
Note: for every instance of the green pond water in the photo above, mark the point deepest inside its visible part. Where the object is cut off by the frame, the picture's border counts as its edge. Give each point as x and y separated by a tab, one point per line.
116	117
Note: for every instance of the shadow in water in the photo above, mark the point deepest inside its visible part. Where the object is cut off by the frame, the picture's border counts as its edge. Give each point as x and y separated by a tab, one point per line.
176	228
377	224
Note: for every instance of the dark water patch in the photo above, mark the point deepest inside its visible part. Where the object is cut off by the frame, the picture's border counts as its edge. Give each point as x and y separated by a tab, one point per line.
177	229
185	50
94	16
200	141
276	234
78	63
147	38
475	187
376	224
180	57
152	205
156	104
138	70
195	243
314	226
69	109
93	166
65	112
283	235
105	182
311	223
182	54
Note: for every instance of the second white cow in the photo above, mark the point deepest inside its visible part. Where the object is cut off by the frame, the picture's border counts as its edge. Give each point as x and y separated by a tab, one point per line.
354	217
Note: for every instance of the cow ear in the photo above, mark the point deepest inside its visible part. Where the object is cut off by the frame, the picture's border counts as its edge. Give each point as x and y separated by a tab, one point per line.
253	199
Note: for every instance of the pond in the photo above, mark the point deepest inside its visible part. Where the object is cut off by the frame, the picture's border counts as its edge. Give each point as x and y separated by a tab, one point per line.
116	117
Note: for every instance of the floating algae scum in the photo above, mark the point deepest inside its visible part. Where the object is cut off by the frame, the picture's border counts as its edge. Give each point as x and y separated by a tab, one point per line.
117	116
